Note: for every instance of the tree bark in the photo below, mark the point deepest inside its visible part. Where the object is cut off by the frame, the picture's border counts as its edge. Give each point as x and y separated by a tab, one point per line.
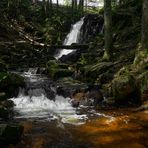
145	25
108	28
44	6
57	3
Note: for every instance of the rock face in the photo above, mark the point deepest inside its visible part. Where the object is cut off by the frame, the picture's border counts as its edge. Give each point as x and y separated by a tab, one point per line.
92	26
125	90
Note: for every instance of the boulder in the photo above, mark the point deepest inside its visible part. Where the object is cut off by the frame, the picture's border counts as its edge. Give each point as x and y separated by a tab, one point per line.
58	70
91	72
141	60
67	87
4	112
92	96
7	104
95	94
125	90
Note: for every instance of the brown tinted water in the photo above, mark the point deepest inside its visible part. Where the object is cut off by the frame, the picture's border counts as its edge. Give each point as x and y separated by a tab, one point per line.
125	129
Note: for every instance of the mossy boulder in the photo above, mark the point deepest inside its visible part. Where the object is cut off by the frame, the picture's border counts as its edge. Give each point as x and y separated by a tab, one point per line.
125	89
91	72
141	60
58	70
10	83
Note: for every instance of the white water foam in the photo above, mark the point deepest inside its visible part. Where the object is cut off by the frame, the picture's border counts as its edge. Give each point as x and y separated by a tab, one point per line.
42	107
72	37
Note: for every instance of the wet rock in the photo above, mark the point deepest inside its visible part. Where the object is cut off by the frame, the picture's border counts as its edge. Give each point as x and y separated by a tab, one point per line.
67	87
92	96
92	26
78	99
4	113
10	134
72	57
36	88
2	96
7	104
95	94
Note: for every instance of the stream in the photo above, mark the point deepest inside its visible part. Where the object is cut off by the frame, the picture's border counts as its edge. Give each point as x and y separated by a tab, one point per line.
50	120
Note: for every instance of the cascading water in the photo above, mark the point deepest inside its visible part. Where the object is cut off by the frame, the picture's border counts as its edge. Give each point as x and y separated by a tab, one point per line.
72	37
39	101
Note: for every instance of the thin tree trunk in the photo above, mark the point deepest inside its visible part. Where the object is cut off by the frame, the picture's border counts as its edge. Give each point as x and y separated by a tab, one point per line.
57	3
108	28
50	4
44	6
145	25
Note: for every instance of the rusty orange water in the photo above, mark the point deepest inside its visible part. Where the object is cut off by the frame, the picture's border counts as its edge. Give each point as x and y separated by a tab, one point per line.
125	129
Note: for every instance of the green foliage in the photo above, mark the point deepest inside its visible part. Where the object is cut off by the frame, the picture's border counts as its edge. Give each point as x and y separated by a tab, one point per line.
9	82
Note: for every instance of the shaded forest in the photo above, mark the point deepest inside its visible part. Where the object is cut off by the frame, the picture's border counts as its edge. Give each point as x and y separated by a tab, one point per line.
81	56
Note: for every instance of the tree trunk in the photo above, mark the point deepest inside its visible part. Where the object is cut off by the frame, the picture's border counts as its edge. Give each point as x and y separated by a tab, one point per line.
57	3
50	4
44	6
145	25
108	28
81	6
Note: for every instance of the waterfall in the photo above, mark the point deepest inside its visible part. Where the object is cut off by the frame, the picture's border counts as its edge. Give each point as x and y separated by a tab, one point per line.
72	37
39	101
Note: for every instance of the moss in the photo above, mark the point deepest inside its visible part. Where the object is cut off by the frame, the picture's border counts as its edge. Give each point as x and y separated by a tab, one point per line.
106	56
143	81
58	70
141	60
60	73
91	72
125	89
10	83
